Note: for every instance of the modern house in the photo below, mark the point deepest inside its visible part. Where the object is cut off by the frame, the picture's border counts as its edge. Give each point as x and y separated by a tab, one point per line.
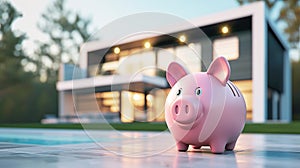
125	81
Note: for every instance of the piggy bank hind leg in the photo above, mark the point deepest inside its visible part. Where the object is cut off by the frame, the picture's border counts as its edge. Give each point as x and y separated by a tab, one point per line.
230	146
196	147
182	147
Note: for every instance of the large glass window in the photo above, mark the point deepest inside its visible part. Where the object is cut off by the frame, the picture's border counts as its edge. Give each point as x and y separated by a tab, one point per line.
143	62
92	70
132	107
109	68
165	57
108	101
156	105
227	47
190	56
245	87
127	108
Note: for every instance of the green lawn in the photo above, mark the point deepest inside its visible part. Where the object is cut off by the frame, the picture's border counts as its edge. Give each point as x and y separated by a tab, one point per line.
137	126
278	128
275	128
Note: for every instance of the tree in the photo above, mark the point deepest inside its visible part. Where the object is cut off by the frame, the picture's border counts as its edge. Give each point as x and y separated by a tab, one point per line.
12	76
270	3
22	97
289	16
11	53
66	31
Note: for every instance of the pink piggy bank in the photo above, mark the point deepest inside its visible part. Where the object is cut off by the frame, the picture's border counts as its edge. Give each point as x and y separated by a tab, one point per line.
204	108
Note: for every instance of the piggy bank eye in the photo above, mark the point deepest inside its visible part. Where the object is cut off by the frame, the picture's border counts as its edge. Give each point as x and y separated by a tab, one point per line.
179	92
198	91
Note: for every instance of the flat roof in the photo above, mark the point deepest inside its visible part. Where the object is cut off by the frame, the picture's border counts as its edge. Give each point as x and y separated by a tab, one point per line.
253	9
231	14
137	83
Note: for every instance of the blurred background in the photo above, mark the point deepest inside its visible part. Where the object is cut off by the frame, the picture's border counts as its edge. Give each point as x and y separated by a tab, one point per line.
37	36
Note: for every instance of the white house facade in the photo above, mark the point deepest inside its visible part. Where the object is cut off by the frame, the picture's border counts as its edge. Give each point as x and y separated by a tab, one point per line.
125	82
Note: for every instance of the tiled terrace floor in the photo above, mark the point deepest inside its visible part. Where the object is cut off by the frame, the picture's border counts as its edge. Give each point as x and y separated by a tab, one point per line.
138	149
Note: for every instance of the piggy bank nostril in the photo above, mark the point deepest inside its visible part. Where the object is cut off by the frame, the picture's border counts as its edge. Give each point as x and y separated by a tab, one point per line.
176	109
186	109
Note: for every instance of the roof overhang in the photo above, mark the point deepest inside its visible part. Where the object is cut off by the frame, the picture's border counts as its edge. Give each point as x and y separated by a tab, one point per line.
138	83
232	14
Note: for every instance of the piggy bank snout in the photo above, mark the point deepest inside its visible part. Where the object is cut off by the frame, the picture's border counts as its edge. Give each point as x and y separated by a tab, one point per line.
185	110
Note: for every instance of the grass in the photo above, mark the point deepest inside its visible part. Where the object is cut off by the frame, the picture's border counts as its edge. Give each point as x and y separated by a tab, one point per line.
136	126
273	128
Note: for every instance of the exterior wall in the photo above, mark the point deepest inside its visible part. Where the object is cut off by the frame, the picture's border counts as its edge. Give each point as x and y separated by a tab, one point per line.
286	97
259	64
93	61
242	67
279	96
66	104
275	63
85	103
254	65
275	76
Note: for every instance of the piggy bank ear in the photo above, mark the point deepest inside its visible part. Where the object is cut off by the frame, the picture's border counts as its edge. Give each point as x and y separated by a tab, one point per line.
220	69
175	72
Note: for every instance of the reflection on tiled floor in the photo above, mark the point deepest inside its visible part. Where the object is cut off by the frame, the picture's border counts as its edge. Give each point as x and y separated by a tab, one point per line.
144	149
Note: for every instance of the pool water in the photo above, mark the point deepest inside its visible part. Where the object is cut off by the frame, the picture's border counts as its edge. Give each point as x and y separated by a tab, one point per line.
36	137
42	140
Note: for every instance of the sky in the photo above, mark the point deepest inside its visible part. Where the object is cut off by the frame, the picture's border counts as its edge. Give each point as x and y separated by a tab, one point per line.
103	12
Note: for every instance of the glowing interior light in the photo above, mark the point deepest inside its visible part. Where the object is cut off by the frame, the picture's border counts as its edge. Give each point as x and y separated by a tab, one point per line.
149	97
182	38
225	29
147	44
117	50
137	97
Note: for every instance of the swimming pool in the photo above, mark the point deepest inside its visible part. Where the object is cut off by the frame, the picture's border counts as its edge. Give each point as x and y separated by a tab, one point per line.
43	136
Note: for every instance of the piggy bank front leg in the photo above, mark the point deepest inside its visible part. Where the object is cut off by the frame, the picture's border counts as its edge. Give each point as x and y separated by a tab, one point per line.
217	147
182	147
